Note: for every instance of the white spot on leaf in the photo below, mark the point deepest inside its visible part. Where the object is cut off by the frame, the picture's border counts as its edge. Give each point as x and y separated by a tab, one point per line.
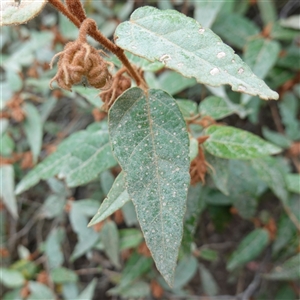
214	71
221	55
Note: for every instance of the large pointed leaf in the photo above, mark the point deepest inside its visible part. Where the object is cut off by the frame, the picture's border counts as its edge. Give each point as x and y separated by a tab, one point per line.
183	45
79	159
150	140
115	199
233	143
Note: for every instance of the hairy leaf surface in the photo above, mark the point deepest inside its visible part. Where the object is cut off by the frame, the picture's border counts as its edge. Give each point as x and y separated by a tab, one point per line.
233	143
13	13
150	140
183	45
78	159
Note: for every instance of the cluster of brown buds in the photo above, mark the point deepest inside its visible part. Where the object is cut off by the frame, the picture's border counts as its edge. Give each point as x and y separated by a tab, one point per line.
79	60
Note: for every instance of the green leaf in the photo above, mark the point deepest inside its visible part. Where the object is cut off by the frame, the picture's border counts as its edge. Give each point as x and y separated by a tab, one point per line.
173	83
53	248
188	108
150	140
208	282
53	206
270	171
185	271
261	54
194	148
11	278
208	254
136	266
244	187
87	237
235	29
115	199
267	11
288	110
207	11
195	206
293	183
285	231
289	270
181	44
276	138
130	238
62	275
232	143
249	248
215	107
79	159
88	292
111	242
39	291
7	189
219	172
214	197
14	13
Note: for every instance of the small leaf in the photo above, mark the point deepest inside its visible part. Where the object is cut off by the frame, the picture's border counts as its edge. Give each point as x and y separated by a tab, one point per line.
13	13
53	248
289	270
261	54
293	183
173	83
285	231
207	11
150	140
244	187
53	206
88	292
208	282
130	238
276	138
270	171
7	189
181	43
235	29
111	242
39	291
188	108
215	107
11	278
249	248
135	267
268	11
232	143
185	271
219	172
62	275
115	199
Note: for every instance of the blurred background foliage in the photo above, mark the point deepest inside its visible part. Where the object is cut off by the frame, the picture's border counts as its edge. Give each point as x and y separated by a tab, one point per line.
241	227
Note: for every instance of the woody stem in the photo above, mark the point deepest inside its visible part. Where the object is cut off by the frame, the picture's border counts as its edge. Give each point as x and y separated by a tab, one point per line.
99	37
